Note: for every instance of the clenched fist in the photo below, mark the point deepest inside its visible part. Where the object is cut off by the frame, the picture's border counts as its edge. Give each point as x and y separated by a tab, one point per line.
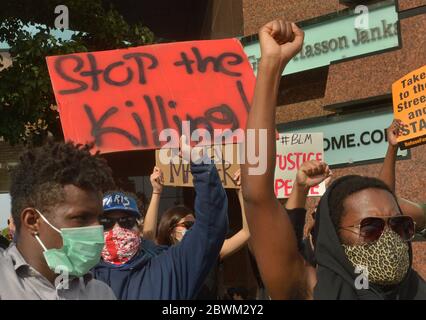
394	131
280	40
157	180
312	173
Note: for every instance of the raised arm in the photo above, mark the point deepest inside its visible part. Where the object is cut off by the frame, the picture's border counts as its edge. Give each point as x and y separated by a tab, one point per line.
151	217
272	236
238	240
184	266
310	174
387	175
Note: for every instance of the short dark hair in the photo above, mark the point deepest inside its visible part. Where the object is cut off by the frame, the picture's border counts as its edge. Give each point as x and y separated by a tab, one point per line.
168	220
346	186
42	172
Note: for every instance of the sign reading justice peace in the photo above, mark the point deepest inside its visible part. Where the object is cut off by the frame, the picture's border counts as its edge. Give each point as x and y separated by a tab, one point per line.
123	99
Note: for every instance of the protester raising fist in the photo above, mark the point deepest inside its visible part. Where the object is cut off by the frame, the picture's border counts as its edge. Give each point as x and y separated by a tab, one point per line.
280	40
394	131
312	173
151	217
157	180
387	174
350	228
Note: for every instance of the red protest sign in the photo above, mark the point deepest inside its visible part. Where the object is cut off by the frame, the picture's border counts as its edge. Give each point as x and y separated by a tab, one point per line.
123	99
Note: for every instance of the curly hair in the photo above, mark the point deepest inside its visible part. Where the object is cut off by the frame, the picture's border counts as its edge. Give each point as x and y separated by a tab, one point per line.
42	172
346	186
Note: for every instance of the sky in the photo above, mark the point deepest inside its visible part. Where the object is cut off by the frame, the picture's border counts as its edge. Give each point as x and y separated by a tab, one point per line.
65	35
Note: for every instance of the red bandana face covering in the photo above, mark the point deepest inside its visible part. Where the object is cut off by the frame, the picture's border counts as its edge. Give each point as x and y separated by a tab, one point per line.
120	245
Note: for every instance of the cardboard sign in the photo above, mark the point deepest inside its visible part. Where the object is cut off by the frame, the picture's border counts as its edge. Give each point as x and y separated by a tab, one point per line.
409	106
177	173
292	150
123	99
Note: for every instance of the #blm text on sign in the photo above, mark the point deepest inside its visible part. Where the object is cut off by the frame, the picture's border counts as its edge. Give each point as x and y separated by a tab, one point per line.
293	149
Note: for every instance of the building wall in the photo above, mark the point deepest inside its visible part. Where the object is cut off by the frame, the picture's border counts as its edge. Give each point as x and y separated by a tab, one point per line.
352	80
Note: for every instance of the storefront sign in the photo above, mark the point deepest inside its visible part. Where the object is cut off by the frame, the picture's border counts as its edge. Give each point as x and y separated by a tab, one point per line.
350	139
338	38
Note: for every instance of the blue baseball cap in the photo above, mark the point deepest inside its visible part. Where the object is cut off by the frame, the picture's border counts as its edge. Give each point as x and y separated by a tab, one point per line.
120	201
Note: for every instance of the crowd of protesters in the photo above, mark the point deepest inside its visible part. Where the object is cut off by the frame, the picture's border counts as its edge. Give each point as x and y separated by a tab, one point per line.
73	235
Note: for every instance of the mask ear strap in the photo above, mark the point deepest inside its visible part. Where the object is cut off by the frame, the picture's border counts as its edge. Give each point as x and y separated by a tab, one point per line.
45	220
39	241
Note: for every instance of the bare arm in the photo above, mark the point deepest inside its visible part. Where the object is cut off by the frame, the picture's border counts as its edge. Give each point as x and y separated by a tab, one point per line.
272	236
387	175
238	240
151	217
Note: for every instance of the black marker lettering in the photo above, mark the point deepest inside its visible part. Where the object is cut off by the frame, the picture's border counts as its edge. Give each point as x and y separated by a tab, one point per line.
185	62
243	95
93	72
163	115
97	130
228	116
59	70
151	110
139	61
141	127
110	68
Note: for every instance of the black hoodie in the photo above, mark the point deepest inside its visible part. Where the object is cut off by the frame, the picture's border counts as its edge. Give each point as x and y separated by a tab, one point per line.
335	273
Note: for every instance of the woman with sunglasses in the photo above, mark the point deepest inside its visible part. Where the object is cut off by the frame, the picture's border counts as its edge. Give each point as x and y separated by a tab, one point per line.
361	239
177	221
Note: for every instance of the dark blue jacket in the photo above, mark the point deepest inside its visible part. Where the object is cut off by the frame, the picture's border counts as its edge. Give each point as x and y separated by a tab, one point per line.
176	272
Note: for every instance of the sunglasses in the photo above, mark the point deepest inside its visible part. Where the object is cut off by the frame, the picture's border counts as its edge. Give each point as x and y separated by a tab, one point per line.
371	228
123	222
186	224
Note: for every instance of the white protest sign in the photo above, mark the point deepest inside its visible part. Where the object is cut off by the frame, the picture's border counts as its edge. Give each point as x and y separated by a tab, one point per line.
292	150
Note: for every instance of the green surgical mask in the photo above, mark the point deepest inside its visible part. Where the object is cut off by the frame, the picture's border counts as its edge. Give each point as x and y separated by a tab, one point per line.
80	252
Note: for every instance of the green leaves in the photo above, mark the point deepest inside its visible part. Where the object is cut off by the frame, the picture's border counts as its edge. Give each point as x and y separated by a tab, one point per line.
26	95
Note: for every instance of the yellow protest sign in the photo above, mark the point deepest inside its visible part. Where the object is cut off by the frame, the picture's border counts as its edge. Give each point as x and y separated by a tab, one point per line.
409	106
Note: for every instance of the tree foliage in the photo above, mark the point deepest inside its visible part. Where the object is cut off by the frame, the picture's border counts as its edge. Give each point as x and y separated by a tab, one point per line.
27	104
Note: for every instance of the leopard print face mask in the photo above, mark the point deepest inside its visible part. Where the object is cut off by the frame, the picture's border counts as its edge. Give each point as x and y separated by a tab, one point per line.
386	260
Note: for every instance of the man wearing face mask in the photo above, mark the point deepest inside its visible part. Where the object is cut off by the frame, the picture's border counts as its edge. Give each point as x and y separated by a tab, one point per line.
124	249
136	269
56	196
